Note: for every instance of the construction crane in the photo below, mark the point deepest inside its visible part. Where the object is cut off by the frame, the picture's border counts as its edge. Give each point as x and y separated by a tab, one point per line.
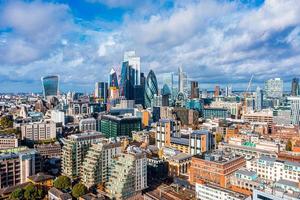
246	93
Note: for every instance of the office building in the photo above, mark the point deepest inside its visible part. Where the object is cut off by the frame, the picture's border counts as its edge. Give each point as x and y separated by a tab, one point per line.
101	91
166	128
295	87
194	90
113	79
217	91
182	82
38	131
211	113
166	95
74	151
274	88
245	181
151	89
114	126
58	116
282	116
8	141
50	86
88	124
97	162
274	169
135	63
17	165
128	175
295	109
215	167
179	164
280	190
207	191
259	97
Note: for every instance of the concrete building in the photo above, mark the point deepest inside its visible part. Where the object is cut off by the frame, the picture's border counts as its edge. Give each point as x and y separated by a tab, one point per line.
216	167
166	128
207	191
16	165
280	190
38	131
128	175
97	162
74	151
8	141
274	88
88	124
295	109
179	164
58	116
274	169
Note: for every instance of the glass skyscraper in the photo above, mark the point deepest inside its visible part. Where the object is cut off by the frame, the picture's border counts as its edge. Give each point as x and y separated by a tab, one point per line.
50	85
151	89
295	87
113	79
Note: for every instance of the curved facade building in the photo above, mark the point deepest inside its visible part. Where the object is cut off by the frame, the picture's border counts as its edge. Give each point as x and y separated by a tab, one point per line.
50	85
151	89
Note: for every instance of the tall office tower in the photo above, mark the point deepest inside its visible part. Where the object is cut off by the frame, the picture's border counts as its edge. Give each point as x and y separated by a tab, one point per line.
295	109
50	86
182	81
97	163
228	90
101	91
74	151
217	91
113	78
259	98
274	88
295	87
128	175
175	88
17	165
135	63
166	94
151	89
168	81
194	90
127	81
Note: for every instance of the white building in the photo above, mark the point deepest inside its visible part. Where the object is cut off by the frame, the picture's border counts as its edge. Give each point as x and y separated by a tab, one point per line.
274	88
208	191
38	131
88	124
58	116
295	109
274	169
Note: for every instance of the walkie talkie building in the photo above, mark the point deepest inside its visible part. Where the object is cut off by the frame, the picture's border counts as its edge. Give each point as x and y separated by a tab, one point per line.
50	85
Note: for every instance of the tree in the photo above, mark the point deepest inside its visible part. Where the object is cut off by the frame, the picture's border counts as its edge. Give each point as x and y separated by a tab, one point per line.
219	138
31	192
62	182
78	190
289	145
17	194
6	122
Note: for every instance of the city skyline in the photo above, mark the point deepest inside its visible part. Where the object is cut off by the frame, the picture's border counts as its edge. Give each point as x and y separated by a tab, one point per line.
81	41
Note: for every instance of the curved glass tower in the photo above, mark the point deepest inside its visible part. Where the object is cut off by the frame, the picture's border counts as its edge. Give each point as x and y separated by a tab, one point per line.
50	86
151	89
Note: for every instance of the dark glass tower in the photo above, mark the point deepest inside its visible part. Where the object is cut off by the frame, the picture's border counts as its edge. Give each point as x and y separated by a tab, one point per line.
50	86
151	89
194	90
295	87
113	79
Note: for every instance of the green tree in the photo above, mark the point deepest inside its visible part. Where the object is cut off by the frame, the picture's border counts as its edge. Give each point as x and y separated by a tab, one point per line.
31	192
62	182
6	122
289	145
78	190
17	194
219	138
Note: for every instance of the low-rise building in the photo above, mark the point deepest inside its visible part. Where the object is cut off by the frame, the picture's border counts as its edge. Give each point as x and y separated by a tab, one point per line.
207	191
56	194
274	169
88	124
8	141
38	131
216	167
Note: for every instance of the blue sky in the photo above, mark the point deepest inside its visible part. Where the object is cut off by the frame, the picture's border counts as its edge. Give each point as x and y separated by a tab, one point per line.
216	41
